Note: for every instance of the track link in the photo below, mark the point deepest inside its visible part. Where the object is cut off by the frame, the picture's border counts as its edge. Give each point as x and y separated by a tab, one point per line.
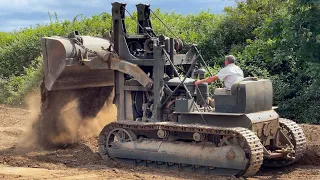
297	138
254	150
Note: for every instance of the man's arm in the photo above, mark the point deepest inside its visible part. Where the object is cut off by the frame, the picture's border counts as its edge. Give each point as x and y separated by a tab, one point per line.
207	80
221	75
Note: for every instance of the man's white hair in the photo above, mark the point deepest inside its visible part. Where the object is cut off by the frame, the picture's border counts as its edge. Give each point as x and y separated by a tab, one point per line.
230	58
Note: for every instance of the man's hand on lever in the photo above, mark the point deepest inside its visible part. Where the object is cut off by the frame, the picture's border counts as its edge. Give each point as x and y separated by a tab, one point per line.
207	80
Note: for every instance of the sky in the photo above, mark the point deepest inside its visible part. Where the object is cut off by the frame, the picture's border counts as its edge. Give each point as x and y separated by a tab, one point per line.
16	14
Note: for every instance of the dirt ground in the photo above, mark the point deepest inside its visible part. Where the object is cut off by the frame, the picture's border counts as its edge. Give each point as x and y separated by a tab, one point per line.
19	159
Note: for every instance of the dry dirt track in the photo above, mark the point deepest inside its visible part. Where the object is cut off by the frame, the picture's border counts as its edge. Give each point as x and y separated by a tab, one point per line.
20	160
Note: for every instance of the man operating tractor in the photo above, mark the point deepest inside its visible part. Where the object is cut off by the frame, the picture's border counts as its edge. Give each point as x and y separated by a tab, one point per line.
230	74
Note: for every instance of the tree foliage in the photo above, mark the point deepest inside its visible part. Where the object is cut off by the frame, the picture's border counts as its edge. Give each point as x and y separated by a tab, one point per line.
20	50
276	39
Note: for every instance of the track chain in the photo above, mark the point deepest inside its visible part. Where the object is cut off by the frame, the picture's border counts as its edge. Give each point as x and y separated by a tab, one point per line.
299	142
254	147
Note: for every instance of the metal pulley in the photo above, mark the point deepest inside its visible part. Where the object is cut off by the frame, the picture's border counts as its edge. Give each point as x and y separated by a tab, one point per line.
148	45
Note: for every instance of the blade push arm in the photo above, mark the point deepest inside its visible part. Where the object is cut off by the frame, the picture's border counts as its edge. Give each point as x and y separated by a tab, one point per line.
126	67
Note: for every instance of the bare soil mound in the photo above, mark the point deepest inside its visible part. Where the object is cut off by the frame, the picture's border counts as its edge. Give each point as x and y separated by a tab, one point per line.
312	154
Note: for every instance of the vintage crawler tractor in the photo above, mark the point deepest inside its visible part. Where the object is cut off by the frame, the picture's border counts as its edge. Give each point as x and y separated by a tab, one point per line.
163	120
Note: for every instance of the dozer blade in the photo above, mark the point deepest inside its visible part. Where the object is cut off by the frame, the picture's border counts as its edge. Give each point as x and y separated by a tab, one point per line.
69	66
63	68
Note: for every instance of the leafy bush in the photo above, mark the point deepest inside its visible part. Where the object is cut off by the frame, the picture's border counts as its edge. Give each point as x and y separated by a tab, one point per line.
272	39
14	89
20	62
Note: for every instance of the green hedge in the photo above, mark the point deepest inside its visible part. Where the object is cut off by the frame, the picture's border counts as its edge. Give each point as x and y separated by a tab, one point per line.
272	39
21	64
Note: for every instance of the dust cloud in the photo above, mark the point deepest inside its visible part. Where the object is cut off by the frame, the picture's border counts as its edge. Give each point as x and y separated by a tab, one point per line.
33	105
92	126
67	124
61	118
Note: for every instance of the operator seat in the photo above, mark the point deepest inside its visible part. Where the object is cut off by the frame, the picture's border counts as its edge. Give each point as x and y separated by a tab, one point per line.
247	96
